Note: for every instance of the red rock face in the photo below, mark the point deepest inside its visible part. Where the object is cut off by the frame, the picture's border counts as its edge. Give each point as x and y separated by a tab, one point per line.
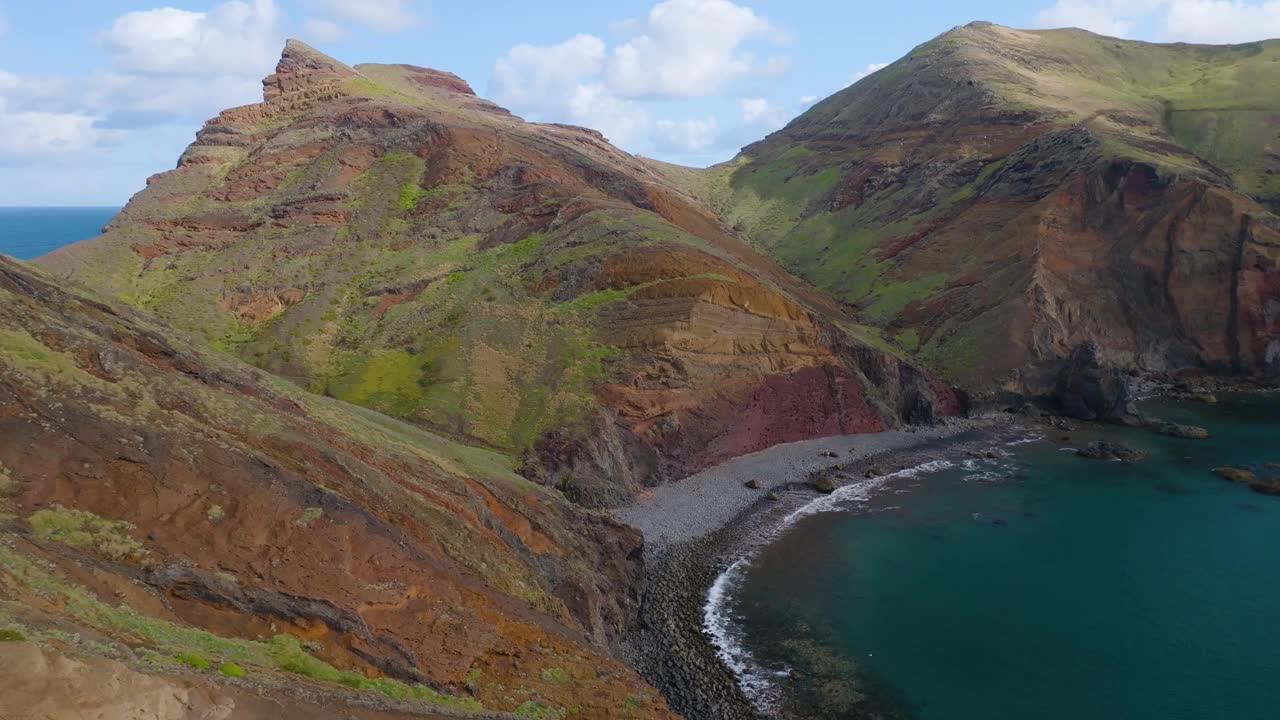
1016	236
809	403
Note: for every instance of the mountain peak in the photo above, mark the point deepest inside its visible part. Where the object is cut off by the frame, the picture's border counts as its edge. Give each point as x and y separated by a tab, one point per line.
301	67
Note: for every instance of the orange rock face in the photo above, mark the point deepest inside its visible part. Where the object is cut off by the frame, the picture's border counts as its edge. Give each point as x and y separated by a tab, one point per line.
258	510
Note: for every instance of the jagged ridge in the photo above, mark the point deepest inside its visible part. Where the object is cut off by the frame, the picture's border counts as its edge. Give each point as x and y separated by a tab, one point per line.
380	234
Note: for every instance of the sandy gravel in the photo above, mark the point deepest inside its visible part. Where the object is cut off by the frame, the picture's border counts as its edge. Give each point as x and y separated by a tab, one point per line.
682	511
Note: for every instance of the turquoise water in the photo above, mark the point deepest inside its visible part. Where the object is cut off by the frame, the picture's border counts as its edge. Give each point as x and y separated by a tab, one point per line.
27	233
1041	586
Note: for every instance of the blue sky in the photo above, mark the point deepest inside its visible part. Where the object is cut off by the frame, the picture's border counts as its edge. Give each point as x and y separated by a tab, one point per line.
96	95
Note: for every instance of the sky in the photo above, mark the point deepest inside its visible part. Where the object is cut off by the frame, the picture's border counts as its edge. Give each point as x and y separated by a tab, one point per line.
97	95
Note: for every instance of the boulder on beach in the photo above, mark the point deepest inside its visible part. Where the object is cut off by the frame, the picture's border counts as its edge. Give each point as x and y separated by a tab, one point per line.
824	483
876	471
753	483
1103	450
773	496
1208	398
1235	474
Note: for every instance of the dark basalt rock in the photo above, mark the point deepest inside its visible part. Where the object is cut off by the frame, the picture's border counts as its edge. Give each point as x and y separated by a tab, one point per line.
1086	390
1102	450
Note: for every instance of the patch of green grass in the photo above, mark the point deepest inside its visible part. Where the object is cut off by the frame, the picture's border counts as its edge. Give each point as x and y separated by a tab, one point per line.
556	675
389	382
288	655
634	701
195	660
12	634
80	528
309	516
908	339
192	645
593	300
231	669
534	710
889	299
410	194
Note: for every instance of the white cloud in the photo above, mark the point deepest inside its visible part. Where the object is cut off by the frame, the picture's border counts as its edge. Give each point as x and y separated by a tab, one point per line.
1204	21
688	136
322	31
37	135
593	106
542	78
688	48
870	68
233	38
807	99
761	116
680	49
192	97
1100	16
187	64
561	83
1222	21
38	120
380	15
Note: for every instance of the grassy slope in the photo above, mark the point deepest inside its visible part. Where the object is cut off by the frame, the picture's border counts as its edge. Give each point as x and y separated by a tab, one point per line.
44	343
474	352
1175	106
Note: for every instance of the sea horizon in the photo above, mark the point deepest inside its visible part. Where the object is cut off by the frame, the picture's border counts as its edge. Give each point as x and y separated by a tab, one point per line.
29	231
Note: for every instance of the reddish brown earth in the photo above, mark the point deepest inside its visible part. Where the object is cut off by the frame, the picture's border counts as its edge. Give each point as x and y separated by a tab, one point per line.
361	212
260	510
999	199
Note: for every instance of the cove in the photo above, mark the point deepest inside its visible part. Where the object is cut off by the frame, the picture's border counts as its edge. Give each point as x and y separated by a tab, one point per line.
1037	585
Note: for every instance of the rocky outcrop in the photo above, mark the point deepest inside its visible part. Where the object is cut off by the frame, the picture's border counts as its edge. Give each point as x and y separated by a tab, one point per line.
1103	450
169	500
379	234
1023	227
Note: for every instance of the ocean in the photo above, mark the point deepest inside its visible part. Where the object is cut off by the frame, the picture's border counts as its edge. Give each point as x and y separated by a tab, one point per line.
1037	585
27	233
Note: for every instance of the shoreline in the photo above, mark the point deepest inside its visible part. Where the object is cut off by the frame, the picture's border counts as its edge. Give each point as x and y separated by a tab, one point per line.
697	527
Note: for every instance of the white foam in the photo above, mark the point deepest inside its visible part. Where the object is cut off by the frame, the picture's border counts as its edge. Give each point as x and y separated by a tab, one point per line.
727	637
717	619
1025	440
858	492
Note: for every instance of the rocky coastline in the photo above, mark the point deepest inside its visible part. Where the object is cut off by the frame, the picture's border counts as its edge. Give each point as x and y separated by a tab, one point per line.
696	528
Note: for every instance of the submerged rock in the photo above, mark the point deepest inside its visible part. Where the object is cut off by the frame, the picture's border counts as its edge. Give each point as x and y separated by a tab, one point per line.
1235	474
1103	450
1267	487
1173	429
